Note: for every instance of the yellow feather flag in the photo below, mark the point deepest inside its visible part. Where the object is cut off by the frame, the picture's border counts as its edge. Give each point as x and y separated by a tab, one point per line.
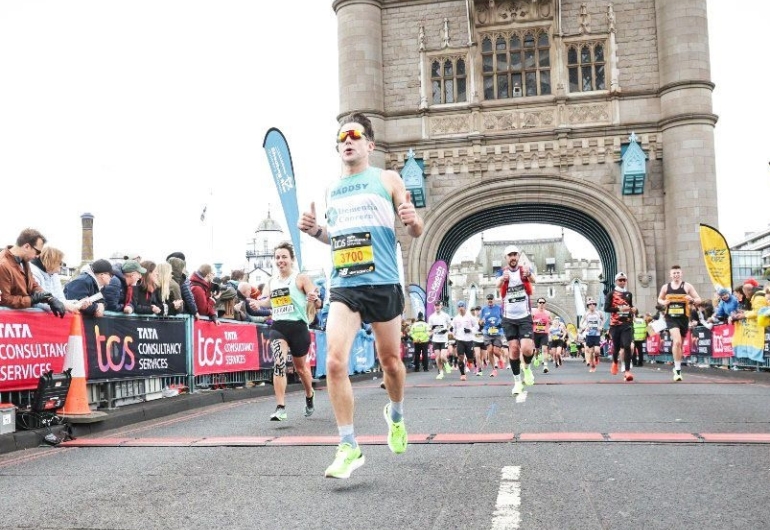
716	254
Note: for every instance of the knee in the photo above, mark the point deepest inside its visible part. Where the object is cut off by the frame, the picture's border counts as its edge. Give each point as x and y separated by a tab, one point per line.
335	368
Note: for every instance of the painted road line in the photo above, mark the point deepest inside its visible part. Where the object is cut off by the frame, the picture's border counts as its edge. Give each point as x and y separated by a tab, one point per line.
507	515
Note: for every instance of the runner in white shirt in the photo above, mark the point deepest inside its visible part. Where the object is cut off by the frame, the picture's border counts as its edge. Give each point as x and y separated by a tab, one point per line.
463	325
591	326
439	324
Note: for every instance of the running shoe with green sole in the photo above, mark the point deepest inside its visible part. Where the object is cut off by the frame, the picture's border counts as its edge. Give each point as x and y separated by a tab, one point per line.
397	438
529	377
347	460
447	368
677	376
279	414
537	360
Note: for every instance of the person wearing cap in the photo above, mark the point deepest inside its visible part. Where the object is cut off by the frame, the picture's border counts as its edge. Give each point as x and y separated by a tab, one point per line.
541	321
439	323
119	292
478	341
515	284
676	298
591	326
145	298
491	318
727	306
463	325
749	287
620	305
91	281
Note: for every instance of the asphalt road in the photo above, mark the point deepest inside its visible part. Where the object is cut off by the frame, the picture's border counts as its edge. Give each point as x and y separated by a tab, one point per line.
577	451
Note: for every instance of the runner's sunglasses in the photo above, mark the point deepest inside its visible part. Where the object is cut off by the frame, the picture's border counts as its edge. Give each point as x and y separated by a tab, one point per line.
355	134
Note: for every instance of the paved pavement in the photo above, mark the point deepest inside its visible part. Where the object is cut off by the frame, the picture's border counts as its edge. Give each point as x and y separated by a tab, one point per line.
577	451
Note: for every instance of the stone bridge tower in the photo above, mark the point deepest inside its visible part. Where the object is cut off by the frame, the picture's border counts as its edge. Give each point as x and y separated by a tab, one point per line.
520	111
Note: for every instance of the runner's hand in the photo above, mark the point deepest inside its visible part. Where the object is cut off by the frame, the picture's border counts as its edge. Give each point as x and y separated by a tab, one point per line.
406	211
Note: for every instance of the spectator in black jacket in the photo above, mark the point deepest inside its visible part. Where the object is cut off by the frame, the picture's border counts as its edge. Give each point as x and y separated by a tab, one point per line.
179	274
91	281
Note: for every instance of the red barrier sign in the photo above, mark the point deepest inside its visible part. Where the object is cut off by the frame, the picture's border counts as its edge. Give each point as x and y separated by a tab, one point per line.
722	341
31	343
224	348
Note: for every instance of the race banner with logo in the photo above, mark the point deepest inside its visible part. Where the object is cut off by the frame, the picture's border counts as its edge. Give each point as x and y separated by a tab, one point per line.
266	354
31	344
722	341
435	285
749	340
417	299
129	348
716	254
224	348
279	158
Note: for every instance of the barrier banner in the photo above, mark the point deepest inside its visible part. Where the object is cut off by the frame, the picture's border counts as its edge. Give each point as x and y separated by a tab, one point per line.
653	344
129	348
666	344
701	341
224	348
361	354
266	354
31	344
722	341
749	340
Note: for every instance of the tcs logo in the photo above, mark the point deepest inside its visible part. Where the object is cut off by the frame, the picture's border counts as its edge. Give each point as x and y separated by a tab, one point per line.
208	350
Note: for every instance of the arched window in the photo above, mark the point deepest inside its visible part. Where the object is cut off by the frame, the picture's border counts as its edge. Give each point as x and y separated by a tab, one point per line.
586	66
516	66
448	81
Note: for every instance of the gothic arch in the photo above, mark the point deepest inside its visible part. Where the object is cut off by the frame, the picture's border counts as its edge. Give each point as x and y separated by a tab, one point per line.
564	201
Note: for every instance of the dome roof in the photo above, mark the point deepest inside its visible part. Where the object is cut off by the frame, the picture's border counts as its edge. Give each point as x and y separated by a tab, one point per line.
269	225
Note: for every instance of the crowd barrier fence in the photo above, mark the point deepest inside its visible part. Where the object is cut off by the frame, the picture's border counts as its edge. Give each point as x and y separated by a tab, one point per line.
135	358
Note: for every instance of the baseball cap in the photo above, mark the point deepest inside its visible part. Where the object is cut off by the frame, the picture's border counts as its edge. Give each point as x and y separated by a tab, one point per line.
460	304
752	282
621	276
511	249
590	301
490	297
101	265
133	266
723	291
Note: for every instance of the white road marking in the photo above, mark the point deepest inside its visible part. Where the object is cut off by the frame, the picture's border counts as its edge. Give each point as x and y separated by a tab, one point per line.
507	516
521	398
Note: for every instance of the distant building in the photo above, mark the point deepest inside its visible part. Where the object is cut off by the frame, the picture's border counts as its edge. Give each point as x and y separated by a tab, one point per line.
751	256
563	281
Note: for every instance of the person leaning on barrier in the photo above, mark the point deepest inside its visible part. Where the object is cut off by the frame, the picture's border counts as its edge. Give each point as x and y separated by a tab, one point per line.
179	275
170	293
45	268
201	286
91	281
249	309
146	299
18	285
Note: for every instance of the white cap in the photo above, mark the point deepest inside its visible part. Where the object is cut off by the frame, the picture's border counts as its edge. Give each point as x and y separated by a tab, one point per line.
620	275
510	249
590	301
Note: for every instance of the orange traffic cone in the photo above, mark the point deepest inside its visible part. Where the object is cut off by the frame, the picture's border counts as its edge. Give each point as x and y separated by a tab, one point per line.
77	396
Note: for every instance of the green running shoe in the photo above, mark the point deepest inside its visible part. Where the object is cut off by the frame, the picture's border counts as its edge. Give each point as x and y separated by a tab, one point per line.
279	414
529	377
347	460
447	368
537	360
397	438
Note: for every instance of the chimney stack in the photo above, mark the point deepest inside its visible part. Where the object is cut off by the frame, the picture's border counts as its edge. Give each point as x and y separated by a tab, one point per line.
87	252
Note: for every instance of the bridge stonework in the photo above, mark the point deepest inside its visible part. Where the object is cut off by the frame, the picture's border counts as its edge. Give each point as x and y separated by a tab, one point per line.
560	149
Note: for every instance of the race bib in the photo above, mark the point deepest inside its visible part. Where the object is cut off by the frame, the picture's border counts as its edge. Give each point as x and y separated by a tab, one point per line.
516	294
540	327
280	301
493	331
353	254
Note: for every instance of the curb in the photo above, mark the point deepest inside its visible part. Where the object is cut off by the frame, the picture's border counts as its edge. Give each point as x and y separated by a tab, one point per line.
150	410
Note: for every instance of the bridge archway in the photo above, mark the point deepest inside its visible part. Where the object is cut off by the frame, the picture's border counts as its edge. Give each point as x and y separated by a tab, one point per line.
590	211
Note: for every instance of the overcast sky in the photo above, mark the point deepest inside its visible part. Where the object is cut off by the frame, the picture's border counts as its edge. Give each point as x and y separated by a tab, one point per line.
143	112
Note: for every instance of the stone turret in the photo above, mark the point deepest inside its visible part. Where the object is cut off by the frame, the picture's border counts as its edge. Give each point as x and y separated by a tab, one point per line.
87	238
